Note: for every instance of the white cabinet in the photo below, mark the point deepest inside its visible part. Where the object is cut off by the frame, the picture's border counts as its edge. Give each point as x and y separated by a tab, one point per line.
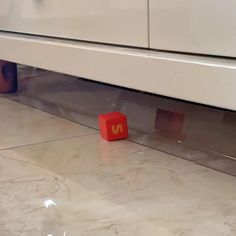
195	26
111	21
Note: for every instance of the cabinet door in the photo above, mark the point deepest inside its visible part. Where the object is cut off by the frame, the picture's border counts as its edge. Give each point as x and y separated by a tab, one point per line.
110	21
196	26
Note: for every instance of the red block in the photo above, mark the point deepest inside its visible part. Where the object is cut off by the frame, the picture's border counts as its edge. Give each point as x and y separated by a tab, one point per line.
113	126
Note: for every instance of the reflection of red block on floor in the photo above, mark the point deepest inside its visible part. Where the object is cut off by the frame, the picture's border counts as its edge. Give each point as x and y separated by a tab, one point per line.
169	123
113	126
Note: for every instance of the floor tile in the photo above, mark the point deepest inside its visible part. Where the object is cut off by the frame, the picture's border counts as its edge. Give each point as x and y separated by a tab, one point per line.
21	125
207	135
87	186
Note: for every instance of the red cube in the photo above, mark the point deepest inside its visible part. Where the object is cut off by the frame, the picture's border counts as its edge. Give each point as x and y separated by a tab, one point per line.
113	126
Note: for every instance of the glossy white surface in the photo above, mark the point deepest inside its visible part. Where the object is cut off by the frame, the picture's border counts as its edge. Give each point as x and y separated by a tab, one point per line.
87	186
197	26
204	80
110	21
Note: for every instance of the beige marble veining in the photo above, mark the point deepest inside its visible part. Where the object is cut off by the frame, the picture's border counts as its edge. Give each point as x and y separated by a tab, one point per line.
88	187
22	125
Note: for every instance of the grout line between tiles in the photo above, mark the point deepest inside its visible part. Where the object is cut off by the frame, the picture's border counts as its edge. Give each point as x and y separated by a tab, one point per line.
50	114
49	141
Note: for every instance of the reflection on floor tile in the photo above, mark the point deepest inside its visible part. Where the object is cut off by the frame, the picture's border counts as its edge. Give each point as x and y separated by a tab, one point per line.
22	125
202	134
87	186
206	158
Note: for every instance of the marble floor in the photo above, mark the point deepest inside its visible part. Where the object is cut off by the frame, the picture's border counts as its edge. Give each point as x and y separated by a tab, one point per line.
206	136
59	178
